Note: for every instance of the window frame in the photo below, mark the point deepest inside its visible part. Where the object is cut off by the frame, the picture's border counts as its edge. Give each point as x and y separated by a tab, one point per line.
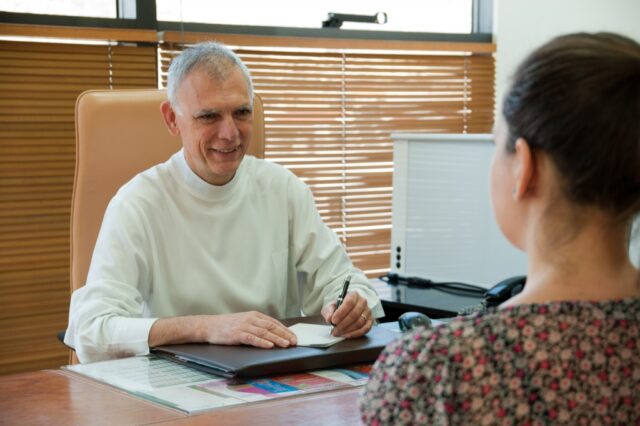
145	18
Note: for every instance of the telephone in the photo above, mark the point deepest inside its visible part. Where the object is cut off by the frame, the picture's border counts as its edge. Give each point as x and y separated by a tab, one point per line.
504	290
497	294
488	297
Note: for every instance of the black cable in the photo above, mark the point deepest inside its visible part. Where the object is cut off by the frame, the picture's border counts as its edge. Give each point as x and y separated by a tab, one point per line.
456	288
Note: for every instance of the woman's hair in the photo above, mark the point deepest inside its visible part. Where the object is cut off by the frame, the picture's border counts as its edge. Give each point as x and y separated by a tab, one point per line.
577	98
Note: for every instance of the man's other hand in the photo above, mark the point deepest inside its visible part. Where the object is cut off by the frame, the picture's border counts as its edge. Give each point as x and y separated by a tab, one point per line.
245	328
249	328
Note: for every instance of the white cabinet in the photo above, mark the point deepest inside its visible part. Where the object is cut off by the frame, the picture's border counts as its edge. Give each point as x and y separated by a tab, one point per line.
443	225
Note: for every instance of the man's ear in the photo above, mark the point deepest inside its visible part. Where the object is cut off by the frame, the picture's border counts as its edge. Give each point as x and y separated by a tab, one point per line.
524	169
169	116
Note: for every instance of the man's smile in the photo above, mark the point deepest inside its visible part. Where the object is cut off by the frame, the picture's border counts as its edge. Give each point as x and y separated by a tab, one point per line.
225	151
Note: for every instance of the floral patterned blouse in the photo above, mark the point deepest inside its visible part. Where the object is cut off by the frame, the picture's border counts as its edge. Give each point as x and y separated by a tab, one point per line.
559	363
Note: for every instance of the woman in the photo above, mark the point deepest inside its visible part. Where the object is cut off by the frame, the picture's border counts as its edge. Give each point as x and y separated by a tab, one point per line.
565	186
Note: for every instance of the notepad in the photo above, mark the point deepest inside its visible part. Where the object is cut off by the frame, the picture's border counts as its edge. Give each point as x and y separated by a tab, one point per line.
314	335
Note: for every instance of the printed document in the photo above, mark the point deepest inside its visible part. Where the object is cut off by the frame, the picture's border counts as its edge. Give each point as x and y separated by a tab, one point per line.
192	391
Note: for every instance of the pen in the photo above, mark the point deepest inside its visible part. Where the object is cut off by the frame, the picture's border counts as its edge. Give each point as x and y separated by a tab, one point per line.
343	294
345	288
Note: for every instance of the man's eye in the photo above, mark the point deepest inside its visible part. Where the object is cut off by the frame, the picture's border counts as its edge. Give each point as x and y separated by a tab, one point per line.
243	113
207	117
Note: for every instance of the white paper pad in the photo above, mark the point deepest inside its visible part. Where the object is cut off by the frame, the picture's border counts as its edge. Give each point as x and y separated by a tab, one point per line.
315	335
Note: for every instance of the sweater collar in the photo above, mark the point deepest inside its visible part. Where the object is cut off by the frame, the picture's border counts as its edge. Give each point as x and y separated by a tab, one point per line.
198	187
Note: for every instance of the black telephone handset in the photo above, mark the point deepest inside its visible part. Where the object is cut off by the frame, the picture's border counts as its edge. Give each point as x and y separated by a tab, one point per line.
504	290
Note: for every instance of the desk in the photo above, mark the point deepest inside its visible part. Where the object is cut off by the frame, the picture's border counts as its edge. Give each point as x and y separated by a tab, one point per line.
60	397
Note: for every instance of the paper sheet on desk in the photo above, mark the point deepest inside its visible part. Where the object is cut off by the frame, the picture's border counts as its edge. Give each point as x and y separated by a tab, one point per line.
314	335
192	391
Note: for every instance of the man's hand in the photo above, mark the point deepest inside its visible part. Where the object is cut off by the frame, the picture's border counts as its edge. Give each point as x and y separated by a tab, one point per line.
250	328
353	317
244	328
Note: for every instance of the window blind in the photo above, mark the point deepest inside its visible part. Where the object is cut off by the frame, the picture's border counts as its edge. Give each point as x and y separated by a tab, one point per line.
39	83
329	114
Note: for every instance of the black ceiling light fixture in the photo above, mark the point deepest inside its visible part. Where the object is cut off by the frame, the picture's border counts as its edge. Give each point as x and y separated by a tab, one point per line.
335	20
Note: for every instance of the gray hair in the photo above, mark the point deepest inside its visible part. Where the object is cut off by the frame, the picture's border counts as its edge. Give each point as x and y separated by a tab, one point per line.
217	60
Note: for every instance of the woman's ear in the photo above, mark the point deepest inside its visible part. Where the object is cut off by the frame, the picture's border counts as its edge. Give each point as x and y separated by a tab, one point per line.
524	169
169	116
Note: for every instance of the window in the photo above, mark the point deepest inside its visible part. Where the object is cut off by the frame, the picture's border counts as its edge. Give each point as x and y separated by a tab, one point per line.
445	16
87	8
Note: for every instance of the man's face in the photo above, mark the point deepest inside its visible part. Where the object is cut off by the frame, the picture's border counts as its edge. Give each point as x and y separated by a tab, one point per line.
214	120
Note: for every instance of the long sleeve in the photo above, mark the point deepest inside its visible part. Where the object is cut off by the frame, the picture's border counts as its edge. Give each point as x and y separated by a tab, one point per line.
106	315
172	245
320	255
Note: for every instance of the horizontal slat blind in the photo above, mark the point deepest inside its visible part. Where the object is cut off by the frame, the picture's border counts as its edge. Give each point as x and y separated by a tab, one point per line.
329	114
39	83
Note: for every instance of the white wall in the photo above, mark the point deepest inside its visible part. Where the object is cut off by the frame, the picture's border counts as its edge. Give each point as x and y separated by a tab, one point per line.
522	25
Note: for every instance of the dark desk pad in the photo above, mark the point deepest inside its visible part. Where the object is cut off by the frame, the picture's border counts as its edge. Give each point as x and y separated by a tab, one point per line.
248	361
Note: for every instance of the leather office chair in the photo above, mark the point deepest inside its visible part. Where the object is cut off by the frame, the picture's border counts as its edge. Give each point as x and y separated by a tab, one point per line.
119	133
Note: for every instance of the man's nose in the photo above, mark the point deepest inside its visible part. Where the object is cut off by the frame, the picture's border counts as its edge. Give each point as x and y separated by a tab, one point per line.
228	128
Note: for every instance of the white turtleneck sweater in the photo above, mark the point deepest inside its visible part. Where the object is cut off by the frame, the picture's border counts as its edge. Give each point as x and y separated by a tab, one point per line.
171	244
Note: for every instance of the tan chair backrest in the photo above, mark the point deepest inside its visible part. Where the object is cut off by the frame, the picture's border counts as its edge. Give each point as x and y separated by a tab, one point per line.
119	133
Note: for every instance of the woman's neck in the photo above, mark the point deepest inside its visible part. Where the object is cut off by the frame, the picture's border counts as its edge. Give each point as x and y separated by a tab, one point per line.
594	265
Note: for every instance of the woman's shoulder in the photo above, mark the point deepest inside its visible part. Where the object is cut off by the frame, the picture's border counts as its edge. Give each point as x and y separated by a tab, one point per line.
545	323
468	333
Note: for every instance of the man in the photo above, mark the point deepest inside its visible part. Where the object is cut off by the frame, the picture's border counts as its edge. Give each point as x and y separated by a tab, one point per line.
207	246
